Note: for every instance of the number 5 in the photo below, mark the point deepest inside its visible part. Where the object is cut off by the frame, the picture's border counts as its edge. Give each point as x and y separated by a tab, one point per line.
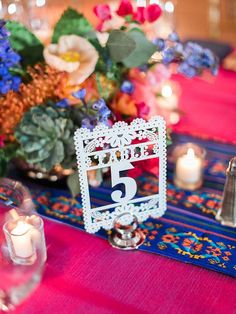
129	183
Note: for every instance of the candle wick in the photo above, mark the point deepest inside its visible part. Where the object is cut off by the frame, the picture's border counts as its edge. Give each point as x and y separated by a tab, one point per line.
190	153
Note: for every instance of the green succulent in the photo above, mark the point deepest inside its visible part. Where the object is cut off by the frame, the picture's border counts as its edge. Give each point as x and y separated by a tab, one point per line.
45	135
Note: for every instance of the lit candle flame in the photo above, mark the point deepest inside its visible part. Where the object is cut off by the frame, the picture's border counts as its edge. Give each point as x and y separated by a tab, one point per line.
190	153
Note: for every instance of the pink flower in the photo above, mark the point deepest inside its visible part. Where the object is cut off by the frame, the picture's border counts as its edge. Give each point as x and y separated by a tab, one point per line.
2	139
103	12
147	86
125	8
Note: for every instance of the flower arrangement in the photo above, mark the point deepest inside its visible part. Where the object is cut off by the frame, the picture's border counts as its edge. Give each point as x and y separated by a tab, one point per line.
84	77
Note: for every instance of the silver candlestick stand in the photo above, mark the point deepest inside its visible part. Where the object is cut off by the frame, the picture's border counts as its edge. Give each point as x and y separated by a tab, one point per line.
227	213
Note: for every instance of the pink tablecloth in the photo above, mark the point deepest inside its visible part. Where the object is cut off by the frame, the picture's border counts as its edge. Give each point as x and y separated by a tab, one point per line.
209	106
85	275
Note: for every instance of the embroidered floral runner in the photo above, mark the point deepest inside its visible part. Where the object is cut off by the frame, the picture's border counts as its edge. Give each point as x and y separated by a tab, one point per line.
187	232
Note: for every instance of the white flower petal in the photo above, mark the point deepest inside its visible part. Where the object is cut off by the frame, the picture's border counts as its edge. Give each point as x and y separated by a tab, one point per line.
79	71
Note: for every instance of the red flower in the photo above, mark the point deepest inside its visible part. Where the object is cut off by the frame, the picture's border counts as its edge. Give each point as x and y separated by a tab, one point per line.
152	13
103	12
2	139
125	8
139	15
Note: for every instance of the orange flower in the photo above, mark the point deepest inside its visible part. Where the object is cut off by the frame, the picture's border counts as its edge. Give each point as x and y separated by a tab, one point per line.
170	238
123	104
43	86
63	208
187	242
214	251
197	247
195	199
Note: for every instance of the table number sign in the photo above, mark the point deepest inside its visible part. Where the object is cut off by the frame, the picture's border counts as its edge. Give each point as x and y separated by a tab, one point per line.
122	148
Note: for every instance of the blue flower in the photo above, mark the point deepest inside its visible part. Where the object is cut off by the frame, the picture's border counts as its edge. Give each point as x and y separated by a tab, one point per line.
127	87
64	103
8	60
168	55
88	123
16	81
103	111
80	94
173	37
195	60
3	70
208	58
187	70
159	43
179	48
193	48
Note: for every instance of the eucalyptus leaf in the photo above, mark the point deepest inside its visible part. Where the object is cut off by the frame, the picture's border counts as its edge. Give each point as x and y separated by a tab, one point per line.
143	51
25	43
73	184
72	22
120	45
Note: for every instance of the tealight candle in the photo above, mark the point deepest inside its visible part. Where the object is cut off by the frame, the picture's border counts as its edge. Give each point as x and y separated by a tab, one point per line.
25	239
189	166
21	240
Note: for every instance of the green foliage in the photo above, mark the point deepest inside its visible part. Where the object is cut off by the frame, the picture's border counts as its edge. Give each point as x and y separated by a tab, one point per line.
25	43
132	48
144	49
120	45
45	135
6	154
73	184
72	22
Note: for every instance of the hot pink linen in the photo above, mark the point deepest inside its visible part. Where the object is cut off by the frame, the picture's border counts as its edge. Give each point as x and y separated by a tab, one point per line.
209	106
85	275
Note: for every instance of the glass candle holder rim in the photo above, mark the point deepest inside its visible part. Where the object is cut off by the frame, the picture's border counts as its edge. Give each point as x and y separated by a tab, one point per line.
40	226
181	149
25	204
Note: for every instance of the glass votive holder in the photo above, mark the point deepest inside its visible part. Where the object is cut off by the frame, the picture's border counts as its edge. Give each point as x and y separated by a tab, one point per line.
15	195
25	239
189	161
22	244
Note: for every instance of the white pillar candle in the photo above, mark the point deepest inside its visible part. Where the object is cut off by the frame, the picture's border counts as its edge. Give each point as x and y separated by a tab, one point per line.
188	167
21	240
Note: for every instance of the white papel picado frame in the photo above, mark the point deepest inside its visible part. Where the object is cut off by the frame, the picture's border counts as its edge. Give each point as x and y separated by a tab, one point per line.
119	148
